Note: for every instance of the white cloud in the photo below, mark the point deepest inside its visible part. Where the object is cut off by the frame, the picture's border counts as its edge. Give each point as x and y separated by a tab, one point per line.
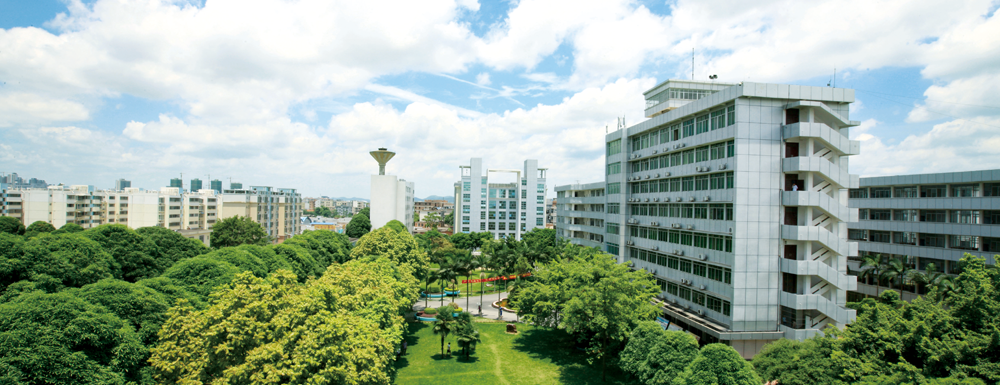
950	146
23	108
483	79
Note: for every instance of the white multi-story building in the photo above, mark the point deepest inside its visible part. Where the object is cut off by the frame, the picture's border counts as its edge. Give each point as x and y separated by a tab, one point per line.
735	197
504	209
580	216
277	210
392	199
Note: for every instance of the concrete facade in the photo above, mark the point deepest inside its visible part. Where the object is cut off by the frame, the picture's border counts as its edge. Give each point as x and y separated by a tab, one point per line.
930	218
277	210
392	199
580	215
504	209
735	197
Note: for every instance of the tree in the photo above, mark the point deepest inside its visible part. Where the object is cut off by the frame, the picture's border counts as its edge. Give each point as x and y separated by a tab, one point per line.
897	269
13	265
303	264
592	296
69	228
38	227
400	248
396	225
358	226
656	356
135	256
11	225
238	230
173	246
872	266
466	333
795	362
367	212
323	211
449	219
272	260
931	277
342	328
463	241
142	307
201	275
326	247
72	259
63	339
444	324
241	259
433	220
719	364
173	292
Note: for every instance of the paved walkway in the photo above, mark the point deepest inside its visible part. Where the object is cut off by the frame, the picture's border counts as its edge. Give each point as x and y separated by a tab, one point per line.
489	311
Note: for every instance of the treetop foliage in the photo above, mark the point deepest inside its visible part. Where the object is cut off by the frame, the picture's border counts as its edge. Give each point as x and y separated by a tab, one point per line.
172	244
38	227
399	247
358	226
396	225
135	256
238	230
72	259
11	225
718	364
69	228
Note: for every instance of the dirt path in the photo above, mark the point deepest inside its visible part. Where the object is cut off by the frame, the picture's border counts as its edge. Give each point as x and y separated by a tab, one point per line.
497	370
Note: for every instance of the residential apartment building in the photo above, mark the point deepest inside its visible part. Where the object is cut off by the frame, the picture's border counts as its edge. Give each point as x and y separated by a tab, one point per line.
580	214
438	206
504	209
929	218
735	196
277	210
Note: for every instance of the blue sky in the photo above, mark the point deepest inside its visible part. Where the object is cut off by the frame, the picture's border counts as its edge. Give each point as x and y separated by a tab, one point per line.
294	94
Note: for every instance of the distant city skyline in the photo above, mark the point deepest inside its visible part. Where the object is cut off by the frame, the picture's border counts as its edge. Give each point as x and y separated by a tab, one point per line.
89	93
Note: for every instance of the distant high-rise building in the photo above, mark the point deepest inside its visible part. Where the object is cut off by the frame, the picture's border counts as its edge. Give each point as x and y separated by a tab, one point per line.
235	186
195	184
177	182
13	181
216	185
122	184
506	209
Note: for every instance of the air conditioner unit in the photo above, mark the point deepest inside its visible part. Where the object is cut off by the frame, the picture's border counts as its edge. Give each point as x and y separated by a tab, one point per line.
674	300
702	287
654	151
676	225
707	198
666	199
706	169
655	248
654	223
666	174
679	252
656	176
690	227
722	166
703	257
691	199
630	243
676	146
656	199
682	145
701	312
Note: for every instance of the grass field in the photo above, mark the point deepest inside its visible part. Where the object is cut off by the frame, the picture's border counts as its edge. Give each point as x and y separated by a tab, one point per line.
535	356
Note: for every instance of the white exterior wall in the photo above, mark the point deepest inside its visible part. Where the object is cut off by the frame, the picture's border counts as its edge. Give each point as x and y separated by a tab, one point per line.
392	199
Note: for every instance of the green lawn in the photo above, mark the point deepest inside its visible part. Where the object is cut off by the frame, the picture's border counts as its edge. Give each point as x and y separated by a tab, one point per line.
535	356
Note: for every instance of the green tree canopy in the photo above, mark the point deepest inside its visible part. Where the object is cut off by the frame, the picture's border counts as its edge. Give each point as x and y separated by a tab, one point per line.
173	246
238	230
135	256
342	328
656	356
38	227
326	247
69	228
323	211
11	225
463	241
242	259
367	212
303	264
201	275
396	225
590	295
400	248
13	266
142	307
173	292
719	364
72	259
358	226
62	339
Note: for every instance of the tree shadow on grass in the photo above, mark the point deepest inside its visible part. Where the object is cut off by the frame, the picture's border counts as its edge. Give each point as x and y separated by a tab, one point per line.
559	347
411	340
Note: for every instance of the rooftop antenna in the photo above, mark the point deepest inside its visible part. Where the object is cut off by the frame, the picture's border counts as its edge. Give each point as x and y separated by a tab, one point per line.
834	77
692	63
382	156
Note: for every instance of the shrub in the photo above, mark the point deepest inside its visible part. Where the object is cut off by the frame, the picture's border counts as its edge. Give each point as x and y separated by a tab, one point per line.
430	310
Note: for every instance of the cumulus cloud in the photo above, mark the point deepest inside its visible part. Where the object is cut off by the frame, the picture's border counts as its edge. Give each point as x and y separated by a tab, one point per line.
950	146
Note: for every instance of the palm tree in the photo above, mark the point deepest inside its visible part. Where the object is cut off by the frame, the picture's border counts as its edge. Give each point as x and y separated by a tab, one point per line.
444	325
927	278
872	266
478	262
897	268
462	264
445	275
946	287
467	334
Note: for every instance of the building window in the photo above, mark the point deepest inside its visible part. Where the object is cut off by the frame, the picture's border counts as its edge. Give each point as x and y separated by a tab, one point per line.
965	191
466	209
613	208
991	217
904	238
905	215
905	192
938	191
858	193
615	168
965	216
879	236
880	215
931	240
614	188
466	197
991	189
611	248
966	242
857	235
482	226
932	216
612	228
881	192
614	147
